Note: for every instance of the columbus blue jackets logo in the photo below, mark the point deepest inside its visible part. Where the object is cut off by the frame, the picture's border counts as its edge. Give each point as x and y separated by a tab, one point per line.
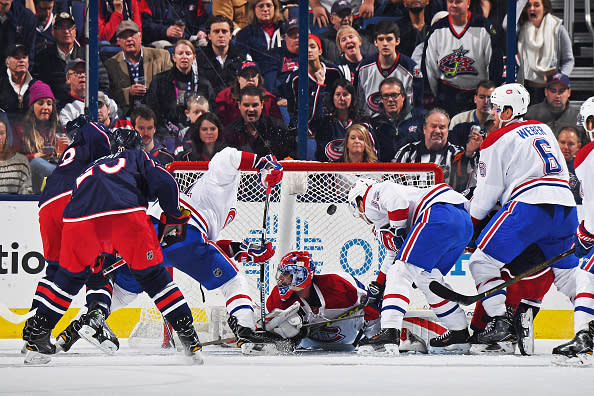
373	101
457	63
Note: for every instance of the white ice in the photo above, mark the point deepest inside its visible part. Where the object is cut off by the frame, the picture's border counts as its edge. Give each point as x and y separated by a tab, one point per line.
87	371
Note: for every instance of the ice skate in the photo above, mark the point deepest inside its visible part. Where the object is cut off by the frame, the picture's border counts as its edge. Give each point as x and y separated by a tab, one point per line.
36	335
95	330
68	336
524	330
259	342
577	352
386	343
450	342
189	339
499	329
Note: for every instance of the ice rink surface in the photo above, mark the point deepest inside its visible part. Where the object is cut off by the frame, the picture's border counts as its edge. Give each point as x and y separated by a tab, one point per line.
87	371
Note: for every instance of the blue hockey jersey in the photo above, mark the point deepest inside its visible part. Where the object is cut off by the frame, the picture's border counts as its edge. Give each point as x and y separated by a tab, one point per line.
89	144
122	183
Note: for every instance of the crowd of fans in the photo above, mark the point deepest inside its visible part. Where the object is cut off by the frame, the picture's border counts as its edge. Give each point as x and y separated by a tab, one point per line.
409	85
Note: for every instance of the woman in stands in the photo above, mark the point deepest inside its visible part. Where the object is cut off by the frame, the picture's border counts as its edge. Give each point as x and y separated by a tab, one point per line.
248	73
544	47
206	139
169	90
15	174
40	133
349	43
359	146
262	34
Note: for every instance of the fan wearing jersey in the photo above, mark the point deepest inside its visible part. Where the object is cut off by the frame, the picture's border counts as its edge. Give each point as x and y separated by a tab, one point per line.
522	167
106	212
407	221
579	350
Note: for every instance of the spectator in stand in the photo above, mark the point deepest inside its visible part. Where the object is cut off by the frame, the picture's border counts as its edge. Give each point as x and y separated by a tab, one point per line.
349	41
51	63
132	70
74	106
321	76
40	134
143	119
544	47
248	74
17	26
206	137
414	25
461	123
256	132
235	10
15	174
218	61
496	12
554	110
569	142
165	22
106	117
389	63
341	15
287	56
340	112
393	126
44	16
321	9
358	146
262	34
435	147
170	89
196	106
15	83
460	51
111	15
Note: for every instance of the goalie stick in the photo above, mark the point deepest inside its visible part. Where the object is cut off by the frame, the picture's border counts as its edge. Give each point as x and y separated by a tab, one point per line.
12	317
448	294
262	268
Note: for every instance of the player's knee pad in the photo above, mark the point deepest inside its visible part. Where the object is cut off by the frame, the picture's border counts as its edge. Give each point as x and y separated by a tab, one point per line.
565	280
484	267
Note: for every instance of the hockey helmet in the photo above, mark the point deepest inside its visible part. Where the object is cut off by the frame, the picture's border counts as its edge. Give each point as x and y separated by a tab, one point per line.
73	126
295	272
586	117
513	95
357	191
124	138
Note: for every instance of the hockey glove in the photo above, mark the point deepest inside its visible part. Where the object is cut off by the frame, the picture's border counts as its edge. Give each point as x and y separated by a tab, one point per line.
583	241
285	322
391	238
375	293
173	228
254	252
270	171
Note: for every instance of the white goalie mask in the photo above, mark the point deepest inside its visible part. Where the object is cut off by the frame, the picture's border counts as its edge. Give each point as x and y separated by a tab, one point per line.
512	95
586	117
357	191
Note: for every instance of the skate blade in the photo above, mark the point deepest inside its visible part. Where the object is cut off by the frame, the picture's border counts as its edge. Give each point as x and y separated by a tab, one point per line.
196	358
500	348
378	350
34	357
107	346
259	349
580	360
454	349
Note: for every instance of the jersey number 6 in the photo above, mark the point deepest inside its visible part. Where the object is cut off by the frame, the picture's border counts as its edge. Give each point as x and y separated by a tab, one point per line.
551	165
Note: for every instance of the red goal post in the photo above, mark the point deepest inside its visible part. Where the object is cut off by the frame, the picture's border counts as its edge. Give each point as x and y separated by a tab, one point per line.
298	219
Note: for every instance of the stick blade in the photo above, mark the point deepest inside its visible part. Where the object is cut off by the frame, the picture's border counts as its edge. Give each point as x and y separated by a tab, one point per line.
12	317
448	294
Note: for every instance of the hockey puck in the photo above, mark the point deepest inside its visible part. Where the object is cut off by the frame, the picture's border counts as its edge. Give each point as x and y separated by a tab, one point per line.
331	209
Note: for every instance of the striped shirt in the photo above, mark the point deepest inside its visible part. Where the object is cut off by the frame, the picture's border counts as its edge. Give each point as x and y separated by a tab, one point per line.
15	175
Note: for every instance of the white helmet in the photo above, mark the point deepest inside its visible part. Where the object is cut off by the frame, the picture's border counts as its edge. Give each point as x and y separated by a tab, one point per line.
512	95
358	191
586	117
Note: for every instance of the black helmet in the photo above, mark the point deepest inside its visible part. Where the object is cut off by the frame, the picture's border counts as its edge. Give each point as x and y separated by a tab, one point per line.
73	126
124	138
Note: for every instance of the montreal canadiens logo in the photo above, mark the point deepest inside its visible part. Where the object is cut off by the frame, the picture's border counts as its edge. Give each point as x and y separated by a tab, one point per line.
457	63
230	216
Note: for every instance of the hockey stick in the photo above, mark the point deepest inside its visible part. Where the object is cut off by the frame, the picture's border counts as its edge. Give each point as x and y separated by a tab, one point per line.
219	341
12	317
262	268
448	294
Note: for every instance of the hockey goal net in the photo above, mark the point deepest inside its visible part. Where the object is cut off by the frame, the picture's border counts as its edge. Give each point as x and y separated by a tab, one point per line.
308	211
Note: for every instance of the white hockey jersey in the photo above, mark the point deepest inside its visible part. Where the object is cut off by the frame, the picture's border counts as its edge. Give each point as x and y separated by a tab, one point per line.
396	205
212	198
520	162
584	169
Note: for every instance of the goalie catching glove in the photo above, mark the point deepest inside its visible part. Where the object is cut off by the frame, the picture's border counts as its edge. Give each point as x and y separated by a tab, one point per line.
173	228
270	171
583	241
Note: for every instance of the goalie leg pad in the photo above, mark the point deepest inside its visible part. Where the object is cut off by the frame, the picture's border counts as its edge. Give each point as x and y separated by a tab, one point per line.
285	322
